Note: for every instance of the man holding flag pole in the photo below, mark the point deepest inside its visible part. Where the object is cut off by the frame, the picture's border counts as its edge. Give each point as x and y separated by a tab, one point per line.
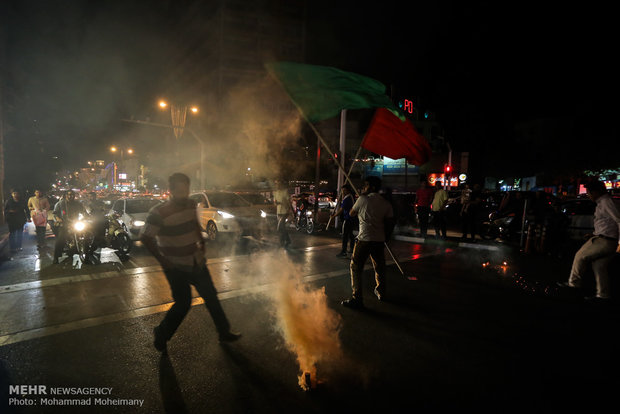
321	92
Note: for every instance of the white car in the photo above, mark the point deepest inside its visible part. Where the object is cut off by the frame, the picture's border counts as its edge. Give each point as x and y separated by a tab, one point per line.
226	212
133	212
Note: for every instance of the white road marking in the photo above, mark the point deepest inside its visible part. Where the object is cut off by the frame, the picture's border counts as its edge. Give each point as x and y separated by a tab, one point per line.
26	335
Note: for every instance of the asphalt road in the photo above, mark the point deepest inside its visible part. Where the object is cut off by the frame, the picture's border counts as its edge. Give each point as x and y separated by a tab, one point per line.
467	328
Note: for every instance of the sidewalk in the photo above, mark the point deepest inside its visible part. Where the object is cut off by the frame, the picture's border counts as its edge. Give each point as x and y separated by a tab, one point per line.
4	241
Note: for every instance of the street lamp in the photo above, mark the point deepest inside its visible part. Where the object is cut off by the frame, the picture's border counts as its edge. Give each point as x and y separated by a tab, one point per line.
115	149
178	116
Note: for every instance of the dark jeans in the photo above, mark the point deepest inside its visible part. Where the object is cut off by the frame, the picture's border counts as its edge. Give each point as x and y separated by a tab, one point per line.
61	237
423	213
284	237
362	250
180	284
439	221
470	223
40	235
347	235
16	233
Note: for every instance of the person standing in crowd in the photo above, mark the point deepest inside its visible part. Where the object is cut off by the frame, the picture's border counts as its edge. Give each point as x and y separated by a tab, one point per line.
376	222
470	212
283	209
173	236
424	198
65	211
16	215
348	222
39	205
599	249
439	210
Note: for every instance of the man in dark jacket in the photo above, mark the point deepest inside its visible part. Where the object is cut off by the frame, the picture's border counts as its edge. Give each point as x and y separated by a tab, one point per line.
16	214
65	211
349	222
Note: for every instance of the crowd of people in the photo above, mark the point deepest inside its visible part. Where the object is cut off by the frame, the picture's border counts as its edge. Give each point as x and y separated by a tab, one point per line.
42	212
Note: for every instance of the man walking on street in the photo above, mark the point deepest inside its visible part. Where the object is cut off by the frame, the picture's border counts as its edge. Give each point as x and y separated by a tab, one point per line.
600	247
283	209
173	236
376	221
39	205
439	210
348	222
16	214
424	198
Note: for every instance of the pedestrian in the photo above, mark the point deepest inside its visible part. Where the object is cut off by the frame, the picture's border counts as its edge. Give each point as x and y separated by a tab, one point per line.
173	236
376	222
66	210
599	249
349	222
16	215
424	198
470	212
439	210
283	209
39	205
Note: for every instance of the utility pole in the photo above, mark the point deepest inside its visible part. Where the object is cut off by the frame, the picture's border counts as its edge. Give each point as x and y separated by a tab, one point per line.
3	64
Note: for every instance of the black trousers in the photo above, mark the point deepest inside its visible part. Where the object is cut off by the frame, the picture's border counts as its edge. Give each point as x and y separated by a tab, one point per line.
347	235
180	284
423	213
40	235
439	221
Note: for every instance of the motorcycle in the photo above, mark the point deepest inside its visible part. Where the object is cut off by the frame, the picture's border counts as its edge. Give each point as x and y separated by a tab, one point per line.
303	219
503	227
79	238
116	236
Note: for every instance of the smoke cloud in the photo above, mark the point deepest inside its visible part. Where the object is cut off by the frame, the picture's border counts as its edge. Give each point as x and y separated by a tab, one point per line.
309	327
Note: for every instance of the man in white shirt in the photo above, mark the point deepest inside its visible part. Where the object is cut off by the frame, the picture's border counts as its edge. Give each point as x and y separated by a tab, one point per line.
283	206
376	221
600	247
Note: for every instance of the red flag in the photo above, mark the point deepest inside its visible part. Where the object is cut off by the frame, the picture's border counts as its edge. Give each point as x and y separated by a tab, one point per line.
394	138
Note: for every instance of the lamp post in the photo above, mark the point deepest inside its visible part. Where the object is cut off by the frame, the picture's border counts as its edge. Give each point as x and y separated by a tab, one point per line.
178	117
115	149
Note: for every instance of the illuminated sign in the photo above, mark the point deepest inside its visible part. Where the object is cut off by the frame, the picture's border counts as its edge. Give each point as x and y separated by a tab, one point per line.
463	177
122	176
406	105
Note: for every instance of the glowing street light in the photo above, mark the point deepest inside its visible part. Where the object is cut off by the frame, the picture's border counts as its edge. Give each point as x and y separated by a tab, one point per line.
115	149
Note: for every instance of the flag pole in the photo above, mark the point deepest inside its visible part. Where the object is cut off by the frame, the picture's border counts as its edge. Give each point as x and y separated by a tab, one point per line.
350	182
340	167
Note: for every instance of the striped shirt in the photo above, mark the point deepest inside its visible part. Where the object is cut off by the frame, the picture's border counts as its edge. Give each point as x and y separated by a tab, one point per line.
175	227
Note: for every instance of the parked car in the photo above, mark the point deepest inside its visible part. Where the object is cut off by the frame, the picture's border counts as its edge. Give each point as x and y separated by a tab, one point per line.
226	212
580	214
133	212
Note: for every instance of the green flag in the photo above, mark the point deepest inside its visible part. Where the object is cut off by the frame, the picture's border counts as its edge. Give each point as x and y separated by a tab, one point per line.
321	92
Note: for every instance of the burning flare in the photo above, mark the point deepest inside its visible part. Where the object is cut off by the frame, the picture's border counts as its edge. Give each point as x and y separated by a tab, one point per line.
309	327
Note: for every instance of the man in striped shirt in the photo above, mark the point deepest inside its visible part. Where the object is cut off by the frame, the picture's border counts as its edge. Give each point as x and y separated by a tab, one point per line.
172	234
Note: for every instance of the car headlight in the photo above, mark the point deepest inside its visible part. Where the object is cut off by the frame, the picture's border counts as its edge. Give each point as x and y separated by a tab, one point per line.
79	225
225	214
138	223
263	214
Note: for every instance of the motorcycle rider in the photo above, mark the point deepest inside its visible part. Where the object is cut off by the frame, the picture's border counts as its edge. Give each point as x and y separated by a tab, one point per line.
96	210
65	211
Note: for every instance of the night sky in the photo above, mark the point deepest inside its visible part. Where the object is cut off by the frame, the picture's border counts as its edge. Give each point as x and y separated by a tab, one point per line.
76	67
